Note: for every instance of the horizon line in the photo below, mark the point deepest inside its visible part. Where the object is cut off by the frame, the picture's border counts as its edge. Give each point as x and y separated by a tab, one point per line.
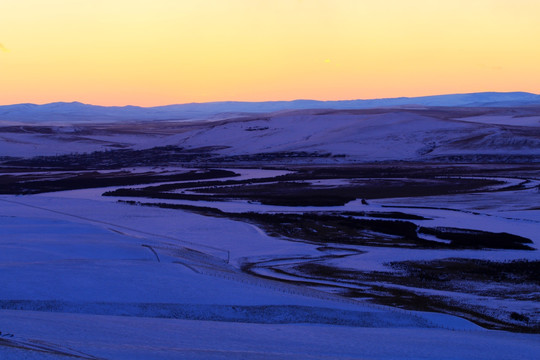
272	101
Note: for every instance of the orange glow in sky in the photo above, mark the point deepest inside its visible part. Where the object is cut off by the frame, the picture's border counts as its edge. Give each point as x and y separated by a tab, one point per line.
156	52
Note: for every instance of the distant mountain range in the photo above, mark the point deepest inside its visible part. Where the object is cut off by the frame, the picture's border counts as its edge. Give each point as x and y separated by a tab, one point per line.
76	112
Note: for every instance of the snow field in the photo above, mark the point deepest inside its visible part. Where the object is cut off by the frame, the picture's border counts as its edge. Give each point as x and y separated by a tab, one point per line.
114	337
51	273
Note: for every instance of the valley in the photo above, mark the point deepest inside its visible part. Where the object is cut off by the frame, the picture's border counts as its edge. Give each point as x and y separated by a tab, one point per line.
314	223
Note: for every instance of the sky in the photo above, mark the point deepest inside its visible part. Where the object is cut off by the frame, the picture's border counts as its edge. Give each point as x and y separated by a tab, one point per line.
157	52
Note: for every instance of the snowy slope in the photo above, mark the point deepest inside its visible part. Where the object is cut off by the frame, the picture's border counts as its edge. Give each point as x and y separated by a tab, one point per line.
360	136
447	134
129	338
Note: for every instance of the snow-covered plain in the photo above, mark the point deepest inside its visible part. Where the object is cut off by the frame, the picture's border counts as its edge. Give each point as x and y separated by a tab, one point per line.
76	279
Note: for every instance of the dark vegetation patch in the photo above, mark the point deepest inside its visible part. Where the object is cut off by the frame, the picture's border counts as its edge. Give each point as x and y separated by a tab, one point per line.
410	300
453	274
440	274
156	156
114	159
487	158
296	190
33	184
323	271
476	239
319	227
256	128
416	170
337	229
281	193
285	193
7	158
387	215
203	210
290	193
446	270
331	227
285	156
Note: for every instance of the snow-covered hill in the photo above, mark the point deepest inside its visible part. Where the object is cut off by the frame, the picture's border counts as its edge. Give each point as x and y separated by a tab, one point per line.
418	134
391	134
76	112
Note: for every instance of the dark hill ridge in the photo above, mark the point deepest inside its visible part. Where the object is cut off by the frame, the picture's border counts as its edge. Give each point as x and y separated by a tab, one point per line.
76	112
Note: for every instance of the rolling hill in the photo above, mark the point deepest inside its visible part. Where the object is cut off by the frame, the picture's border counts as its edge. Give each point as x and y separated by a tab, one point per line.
76	112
